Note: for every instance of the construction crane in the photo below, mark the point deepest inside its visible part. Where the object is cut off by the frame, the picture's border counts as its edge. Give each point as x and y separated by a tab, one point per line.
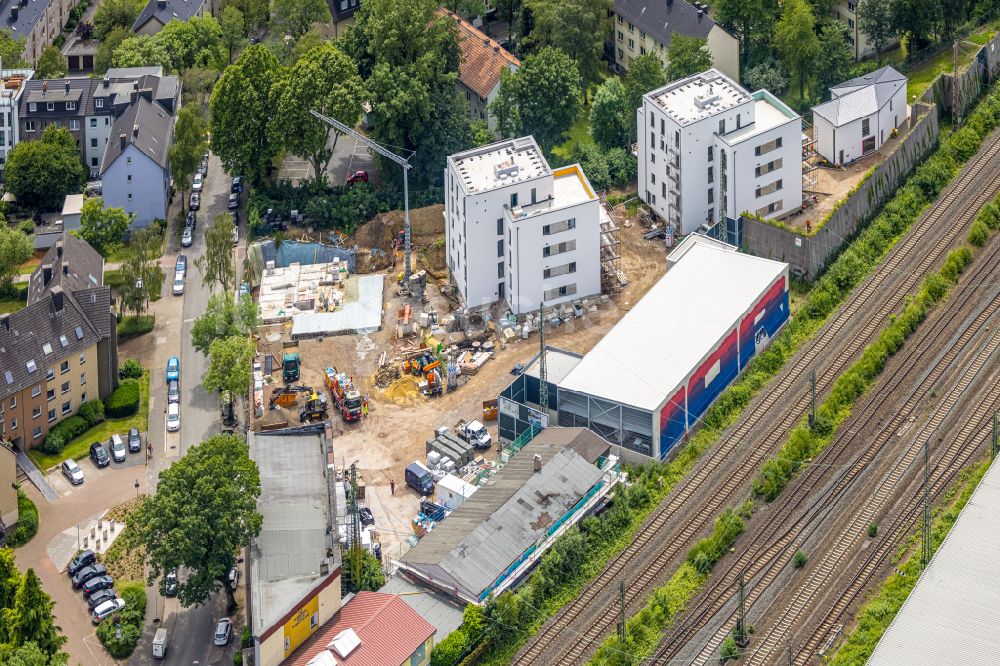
384	152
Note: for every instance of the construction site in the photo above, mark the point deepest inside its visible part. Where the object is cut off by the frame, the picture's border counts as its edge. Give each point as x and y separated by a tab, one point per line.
398	362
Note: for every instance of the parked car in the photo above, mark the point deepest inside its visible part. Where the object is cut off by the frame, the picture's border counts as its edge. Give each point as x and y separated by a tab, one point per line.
96	584
366	516
117	446
235	214
86	573
195	202
237	187
223	631
83	559
170	583
181	265
107	609
173	417
173	392
99	455
236	236
178	288
234	577
173	368
419	478
99	597
357	177
191	220
72	472
234	201
134	440
187	238
203	168
197	183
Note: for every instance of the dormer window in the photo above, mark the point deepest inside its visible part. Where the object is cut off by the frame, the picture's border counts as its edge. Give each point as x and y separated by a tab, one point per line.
50	106
99	102
71	106
32	107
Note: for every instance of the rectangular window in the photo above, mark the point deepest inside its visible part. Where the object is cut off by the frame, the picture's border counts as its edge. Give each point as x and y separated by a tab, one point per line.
65	387
559	292
64	367
722	126
711	174
631	44
559	248
565	269
513	200
769	189
500	227
663	188
32	107
130	196
765	148
29	125
93	122
534	195
500	270
621	54
36	391
83	379
36	412
74	124
13	424
128	160
50	394
556	227
52	415
93	143
50	106
770	208
83	358
500	248
631	27
66	408
866	127
642	50
83	398
93	161
71	106
99	102
50	374
642	35
711	153
711	195
37	432
128	178
621	36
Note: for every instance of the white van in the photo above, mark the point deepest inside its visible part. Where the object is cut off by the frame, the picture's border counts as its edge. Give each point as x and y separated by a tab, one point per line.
160	643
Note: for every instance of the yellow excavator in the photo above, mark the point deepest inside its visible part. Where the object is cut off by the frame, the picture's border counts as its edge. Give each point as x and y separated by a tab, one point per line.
314	409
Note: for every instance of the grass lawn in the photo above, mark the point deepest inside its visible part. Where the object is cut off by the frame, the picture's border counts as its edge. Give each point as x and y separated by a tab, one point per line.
578	133
16	303
79	447
923	75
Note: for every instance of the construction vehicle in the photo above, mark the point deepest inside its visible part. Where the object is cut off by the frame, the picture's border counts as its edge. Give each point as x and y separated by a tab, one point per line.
290	367
432	385
286	396
347	398
314	409
474	433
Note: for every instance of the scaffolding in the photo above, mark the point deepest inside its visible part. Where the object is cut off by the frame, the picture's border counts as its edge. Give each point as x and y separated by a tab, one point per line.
612	276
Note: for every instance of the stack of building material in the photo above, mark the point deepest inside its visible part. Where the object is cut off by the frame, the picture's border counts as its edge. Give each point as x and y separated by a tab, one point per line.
470	362
449	445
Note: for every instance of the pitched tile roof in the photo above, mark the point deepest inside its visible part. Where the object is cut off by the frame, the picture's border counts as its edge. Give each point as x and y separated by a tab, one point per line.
861	96
167	11
147	126
482	58
73	265
662	18
21	25
390	631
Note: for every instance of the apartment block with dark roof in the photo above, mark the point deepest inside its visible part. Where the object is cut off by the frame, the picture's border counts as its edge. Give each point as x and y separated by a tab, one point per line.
158	13
38	22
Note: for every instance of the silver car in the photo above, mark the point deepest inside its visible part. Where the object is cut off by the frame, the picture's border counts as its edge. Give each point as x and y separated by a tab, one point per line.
173	417
72	471
187	238
178	284
107	609
117	446
223	631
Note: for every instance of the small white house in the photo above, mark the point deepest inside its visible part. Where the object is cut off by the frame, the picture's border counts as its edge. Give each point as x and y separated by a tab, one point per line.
861	116
453	491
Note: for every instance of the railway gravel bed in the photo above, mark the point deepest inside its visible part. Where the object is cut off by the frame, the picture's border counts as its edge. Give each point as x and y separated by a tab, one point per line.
722	478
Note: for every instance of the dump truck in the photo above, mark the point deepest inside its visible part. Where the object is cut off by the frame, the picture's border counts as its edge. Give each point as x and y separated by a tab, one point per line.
474	433
290	367
347	398
314	409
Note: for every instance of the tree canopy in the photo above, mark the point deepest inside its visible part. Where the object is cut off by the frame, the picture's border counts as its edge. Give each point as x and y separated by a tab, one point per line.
139	270
796	40
578	28
687	56
295	16
29	619
50	64
11	49
216	264
876	22
224	318
256	13
230	363
104	228
113	14
186	152
104	58
177	47
15	249
609	114
204	510
233	30
41	173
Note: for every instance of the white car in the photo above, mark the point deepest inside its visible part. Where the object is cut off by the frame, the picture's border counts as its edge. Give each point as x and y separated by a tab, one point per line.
178	284
187	238
72	471
107	609
173	417
236	236
117	446
197	183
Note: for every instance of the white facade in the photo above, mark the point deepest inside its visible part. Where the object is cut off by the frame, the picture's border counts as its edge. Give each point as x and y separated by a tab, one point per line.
10	100
518	231
707	147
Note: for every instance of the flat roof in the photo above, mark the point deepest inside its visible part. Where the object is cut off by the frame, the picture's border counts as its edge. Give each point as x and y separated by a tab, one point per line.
286	558
674	326
500	164
950	615
559	363
445	614
569	188
769	112
700	96
361	310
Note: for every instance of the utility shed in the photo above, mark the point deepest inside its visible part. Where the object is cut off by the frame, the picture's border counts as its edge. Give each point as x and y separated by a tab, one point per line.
950	615
653	376
494	538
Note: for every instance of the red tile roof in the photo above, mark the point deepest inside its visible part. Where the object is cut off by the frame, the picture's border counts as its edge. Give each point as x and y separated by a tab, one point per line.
389	630
482	58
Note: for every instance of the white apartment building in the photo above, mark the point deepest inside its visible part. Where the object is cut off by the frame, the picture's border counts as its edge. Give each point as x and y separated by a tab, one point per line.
708	148
516	230
11	87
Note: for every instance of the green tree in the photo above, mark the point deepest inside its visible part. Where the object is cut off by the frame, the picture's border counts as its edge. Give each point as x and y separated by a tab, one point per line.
196	42
795	39
750	20
545	92
113	14
198	84
256	13
295	16
241	108
311	39
834	60
51	64
233	30
15	249
224	318
140	271
188	147
30	654
687	56
767	75
578	28
323	80
216	264
609	114
10	580
30	618
915	19
141	51
104	57
41	173
11	49
481	133
372	578
876	22
204	509
104	228
230	365
645	74
509	12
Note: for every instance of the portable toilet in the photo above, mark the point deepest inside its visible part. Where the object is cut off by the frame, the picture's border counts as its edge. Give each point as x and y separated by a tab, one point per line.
160	643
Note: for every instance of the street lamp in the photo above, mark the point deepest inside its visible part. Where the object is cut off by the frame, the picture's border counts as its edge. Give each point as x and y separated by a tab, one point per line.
137	488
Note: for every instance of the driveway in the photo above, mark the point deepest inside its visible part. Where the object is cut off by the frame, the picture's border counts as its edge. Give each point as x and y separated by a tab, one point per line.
349	155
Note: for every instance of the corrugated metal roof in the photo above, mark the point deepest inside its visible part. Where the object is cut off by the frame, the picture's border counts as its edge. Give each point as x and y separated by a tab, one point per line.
444	613
390	631
950	616
674	326
484	536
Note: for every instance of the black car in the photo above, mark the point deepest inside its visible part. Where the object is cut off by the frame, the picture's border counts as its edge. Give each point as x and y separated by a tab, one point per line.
365	514
99	455
83	559
97	584
170	584
173	392
237	187
86	573
99	597
134	440
191	220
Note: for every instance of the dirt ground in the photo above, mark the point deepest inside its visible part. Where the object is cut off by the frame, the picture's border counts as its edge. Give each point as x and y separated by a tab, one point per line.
400	420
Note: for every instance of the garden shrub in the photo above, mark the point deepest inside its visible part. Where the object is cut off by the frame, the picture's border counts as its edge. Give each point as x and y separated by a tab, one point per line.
131	620
124	401
27	521
61	433
53	444
92	412
132	327
130	369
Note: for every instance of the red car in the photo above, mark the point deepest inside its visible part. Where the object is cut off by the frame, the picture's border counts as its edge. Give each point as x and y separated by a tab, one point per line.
358	177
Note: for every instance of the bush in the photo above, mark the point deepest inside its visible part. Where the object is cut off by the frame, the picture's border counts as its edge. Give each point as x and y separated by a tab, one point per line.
26	227
238	658
62	432
92	412
27	521
729	649
979	233
130	619
124	401
245	637
873	530
53	444
132	327
130	369
799	559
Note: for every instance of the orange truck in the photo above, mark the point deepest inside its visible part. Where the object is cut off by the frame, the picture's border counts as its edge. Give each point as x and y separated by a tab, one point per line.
347	398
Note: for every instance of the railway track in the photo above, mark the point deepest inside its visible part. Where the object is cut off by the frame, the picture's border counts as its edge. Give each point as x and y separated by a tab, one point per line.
771	548
563	640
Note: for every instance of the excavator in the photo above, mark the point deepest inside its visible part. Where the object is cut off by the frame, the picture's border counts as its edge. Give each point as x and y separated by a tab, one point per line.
314	409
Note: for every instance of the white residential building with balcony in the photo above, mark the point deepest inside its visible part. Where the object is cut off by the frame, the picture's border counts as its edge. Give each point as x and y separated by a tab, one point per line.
519	231
708	148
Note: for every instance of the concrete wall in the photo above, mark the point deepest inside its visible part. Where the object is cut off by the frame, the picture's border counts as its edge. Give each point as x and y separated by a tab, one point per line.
808	255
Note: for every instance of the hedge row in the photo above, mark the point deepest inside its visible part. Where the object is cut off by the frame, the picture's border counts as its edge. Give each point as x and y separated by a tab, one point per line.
130	369
124	401
133	327
90	414
27	521
131	620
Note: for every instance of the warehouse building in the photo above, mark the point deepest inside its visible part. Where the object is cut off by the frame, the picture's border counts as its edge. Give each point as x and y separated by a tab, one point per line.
492	541
648	382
